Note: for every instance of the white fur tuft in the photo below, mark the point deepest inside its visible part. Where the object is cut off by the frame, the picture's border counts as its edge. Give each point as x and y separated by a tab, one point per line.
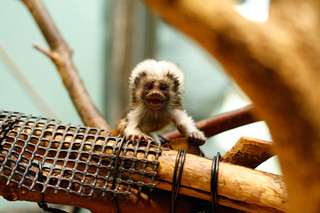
158	70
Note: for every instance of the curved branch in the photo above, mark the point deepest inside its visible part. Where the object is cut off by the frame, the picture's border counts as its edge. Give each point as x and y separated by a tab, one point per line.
60	53
222	122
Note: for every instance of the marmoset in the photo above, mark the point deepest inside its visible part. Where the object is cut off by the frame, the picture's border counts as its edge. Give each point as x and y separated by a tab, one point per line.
155	89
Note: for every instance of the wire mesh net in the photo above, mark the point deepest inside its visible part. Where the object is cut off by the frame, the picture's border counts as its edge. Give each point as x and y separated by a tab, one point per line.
38	153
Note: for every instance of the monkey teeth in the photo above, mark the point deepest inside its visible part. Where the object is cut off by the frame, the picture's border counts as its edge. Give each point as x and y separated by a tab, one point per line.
155	103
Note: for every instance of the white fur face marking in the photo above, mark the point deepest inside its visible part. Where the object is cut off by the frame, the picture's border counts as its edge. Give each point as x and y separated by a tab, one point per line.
157	70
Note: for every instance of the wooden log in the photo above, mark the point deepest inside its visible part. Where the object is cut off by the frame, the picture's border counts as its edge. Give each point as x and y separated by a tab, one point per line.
238	187
249	190
149	202
236	183
249	152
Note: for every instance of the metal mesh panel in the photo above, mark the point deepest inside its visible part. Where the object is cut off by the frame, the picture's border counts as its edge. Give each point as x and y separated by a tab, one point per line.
73	159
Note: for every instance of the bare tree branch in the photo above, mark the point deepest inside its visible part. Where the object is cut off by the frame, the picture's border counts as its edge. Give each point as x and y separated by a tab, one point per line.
222	122
60	53
277	65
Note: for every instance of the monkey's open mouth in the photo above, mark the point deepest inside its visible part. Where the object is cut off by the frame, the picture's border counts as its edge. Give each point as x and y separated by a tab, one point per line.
155	103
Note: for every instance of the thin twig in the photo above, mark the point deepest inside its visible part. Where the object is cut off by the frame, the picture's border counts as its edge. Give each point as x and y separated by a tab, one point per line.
46	52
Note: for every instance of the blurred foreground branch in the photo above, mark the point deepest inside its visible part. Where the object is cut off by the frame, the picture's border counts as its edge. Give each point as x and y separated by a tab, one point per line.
276	64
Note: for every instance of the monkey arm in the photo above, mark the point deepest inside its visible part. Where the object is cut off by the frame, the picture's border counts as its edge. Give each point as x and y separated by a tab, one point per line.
129	126
187	127
132	130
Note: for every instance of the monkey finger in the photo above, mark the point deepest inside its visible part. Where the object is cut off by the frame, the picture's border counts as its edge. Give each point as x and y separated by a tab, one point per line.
201	138
141	138
197	138
132	138
191	138
148	138
200	141
138	138
128	137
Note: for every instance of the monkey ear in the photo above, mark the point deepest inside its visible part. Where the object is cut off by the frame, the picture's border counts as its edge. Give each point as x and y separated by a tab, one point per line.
175	71
136	81
142	68
176	85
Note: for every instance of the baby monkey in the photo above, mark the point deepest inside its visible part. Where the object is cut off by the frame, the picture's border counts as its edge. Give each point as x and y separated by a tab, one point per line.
156	101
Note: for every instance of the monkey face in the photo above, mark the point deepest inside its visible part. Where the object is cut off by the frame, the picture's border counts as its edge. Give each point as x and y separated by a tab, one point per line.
156	94
156	85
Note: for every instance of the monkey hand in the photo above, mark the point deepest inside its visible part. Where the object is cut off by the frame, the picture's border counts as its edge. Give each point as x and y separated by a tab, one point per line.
138	137
197	138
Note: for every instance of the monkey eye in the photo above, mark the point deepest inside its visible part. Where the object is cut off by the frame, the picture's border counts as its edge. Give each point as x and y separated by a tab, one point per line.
149	86
163	87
